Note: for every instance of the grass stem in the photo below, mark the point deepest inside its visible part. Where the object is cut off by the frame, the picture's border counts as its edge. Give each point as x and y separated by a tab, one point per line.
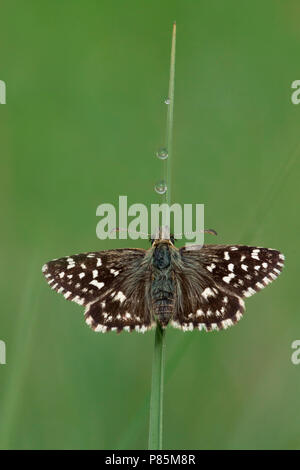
157	389
157	386
170	116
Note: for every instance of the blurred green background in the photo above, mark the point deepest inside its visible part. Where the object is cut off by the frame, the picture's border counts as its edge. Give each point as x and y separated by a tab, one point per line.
85	114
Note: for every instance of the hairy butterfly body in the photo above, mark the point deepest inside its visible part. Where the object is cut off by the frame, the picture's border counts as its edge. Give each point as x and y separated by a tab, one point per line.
132	289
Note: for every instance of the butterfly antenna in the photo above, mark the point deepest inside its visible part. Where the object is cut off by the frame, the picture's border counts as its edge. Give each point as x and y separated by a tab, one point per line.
210	231
120	229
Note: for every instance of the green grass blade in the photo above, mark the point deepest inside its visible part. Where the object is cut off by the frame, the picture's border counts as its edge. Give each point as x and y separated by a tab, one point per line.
157	389
170	116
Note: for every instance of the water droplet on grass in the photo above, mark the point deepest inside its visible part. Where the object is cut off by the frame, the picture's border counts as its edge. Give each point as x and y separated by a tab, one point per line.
162	153
161	187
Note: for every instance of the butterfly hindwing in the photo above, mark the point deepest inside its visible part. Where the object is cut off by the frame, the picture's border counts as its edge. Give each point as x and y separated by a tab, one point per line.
213	309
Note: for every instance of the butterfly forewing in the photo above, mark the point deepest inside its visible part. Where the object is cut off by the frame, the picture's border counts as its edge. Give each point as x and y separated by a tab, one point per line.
111	284
241	269
226	274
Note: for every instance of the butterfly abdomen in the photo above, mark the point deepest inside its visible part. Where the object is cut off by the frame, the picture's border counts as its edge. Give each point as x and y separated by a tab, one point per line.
162	289
163	310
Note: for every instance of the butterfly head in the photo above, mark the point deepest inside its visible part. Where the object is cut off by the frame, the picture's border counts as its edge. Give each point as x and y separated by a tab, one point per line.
162	235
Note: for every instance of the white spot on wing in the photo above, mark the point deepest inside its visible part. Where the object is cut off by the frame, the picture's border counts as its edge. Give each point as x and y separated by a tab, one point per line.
227	323
115	272
211	267
120	296
101	328
97	284
228	278
78	300
202	326
199	313
208	293
249	292
254	254
238	315
71	263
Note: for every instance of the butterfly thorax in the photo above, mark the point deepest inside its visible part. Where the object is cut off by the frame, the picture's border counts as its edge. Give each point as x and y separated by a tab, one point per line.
162	288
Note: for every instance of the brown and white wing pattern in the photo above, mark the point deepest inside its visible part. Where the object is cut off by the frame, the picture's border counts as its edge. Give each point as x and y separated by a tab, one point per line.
112	285
213	281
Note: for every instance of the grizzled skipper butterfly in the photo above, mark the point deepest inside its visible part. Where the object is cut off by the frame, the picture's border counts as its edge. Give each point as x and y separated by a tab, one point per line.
132	289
